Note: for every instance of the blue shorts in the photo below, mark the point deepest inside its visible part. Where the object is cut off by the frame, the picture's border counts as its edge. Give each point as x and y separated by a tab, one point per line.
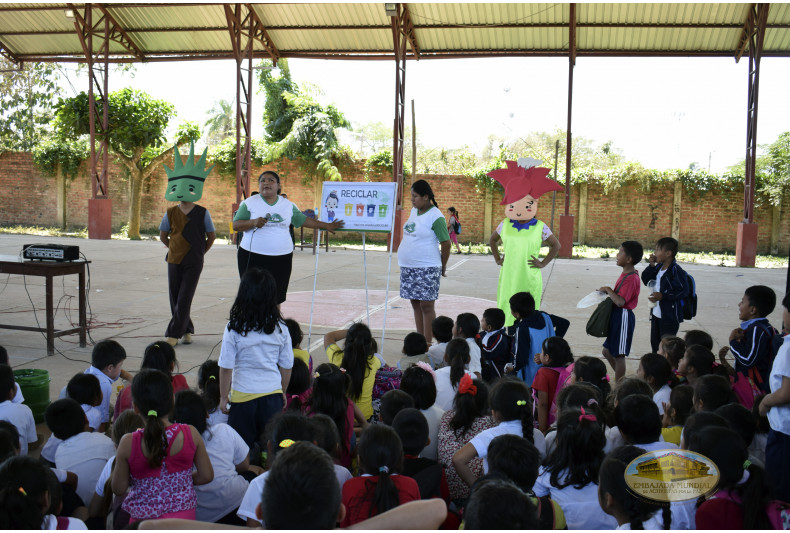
621	331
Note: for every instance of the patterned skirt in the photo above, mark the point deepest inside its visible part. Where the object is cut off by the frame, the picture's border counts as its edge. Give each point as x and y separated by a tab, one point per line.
420	283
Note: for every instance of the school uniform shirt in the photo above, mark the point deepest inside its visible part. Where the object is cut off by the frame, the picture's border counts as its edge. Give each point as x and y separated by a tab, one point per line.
779	416
93	414
661	397
50	447
255	359
86	455
614	439
656	521
105	382
52	522
436	353
580	506
103	477
434	417
510	427
225	492
755	350
357	496
18	397
474	365
445	392
20	416
217	417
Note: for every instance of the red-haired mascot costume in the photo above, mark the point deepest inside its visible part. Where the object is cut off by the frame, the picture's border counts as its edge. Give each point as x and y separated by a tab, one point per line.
521	233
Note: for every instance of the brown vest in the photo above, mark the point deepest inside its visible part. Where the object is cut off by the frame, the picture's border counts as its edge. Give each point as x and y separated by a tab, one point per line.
187	233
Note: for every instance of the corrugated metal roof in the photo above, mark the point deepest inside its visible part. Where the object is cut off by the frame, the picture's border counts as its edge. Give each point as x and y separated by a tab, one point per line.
42	32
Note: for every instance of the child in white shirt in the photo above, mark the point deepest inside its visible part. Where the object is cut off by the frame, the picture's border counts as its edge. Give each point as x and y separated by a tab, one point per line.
467	326
18	414
442	328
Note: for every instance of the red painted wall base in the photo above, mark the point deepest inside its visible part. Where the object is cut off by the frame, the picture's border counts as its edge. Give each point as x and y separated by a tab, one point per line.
566	236
99	218
746	245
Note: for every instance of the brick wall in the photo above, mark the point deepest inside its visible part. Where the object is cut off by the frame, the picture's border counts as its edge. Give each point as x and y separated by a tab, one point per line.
710	223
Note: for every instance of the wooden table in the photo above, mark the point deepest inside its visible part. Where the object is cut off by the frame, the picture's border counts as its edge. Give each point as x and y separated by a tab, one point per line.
50	269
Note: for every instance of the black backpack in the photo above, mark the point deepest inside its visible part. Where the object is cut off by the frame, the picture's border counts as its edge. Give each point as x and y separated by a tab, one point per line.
690	301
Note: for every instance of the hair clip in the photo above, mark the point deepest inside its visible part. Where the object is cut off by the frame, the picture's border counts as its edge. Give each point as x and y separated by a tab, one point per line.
153	413
212	377
316	375
465	386
384	470
425	366
592	401
746	464
585	416
342	370
21	490
606	377
521	402
286	443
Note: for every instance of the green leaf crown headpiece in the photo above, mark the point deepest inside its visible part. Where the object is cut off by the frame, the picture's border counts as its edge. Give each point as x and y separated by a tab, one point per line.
190	169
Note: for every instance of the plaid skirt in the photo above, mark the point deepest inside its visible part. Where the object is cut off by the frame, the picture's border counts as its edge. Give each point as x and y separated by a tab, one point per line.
420	283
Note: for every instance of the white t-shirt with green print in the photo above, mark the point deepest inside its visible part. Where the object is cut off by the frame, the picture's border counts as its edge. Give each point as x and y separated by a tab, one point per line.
421	237
273	238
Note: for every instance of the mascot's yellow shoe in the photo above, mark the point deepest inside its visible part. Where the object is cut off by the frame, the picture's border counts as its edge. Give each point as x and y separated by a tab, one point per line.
172	341
186	339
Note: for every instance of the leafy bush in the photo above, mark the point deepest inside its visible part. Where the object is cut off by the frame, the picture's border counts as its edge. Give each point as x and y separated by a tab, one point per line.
68	153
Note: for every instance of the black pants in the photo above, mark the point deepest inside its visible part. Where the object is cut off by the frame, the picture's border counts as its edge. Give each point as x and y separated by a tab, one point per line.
182	281
660	327
278	265
249	419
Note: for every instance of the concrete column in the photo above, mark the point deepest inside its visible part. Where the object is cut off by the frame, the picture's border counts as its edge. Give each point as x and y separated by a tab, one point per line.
677	204
776	225
583	213
746	244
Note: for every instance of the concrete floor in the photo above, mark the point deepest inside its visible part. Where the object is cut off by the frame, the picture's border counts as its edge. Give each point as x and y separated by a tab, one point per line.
128	301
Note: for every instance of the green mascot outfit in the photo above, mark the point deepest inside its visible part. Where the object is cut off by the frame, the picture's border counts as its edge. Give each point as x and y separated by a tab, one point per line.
521	233
188	233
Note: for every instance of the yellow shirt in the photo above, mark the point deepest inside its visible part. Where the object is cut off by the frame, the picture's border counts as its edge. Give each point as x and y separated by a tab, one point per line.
365	400
304	355
672	434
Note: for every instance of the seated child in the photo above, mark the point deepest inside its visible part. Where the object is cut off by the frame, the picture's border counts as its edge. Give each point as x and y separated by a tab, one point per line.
382	489
412	428
697	336
299	386
676	412
208	384
673	349
741	421
657	372
159	355
553	374
56	519
418	381
392	403
18	414
467	326
494	344
107	360
752	343
415	350
442	329
591	370
640	424
83	452
498	504
625	388
516	459
711	392
296	342
19	398
698	361
327	438
624	296
618	500
697	422
23	483
449	376
86	390
575	396
529	331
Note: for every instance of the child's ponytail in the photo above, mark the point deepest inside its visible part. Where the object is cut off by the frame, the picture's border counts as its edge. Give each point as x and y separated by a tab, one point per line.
152	394
511	398
578	449
23	489
591	370
458	356
381	454
356	351
208	383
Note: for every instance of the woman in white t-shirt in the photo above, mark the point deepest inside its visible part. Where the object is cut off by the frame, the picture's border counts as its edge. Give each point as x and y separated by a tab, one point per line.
264	219
421	264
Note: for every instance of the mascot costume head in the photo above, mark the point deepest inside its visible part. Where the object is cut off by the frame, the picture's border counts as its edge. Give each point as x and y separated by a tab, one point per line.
524	183
185	180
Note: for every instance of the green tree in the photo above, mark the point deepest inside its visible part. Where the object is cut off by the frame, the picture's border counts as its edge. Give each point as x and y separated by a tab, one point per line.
278	116
27	95
221	122
136	135
777	169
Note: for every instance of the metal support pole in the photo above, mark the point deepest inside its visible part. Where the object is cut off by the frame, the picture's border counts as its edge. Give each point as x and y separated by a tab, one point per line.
566	220
399	41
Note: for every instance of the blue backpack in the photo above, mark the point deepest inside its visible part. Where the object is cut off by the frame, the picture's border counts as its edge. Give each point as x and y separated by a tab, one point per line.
690	301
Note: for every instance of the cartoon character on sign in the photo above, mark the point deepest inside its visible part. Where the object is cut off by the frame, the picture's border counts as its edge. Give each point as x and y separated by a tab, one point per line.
521	233
331	204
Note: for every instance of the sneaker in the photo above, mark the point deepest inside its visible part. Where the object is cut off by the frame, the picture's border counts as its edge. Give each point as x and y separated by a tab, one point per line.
186	339
172	341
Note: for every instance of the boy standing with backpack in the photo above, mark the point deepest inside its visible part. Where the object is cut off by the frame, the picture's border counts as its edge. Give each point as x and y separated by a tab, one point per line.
671	289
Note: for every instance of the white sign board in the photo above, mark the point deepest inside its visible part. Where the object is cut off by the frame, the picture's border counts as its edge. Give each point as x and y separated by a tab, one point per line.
362	206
